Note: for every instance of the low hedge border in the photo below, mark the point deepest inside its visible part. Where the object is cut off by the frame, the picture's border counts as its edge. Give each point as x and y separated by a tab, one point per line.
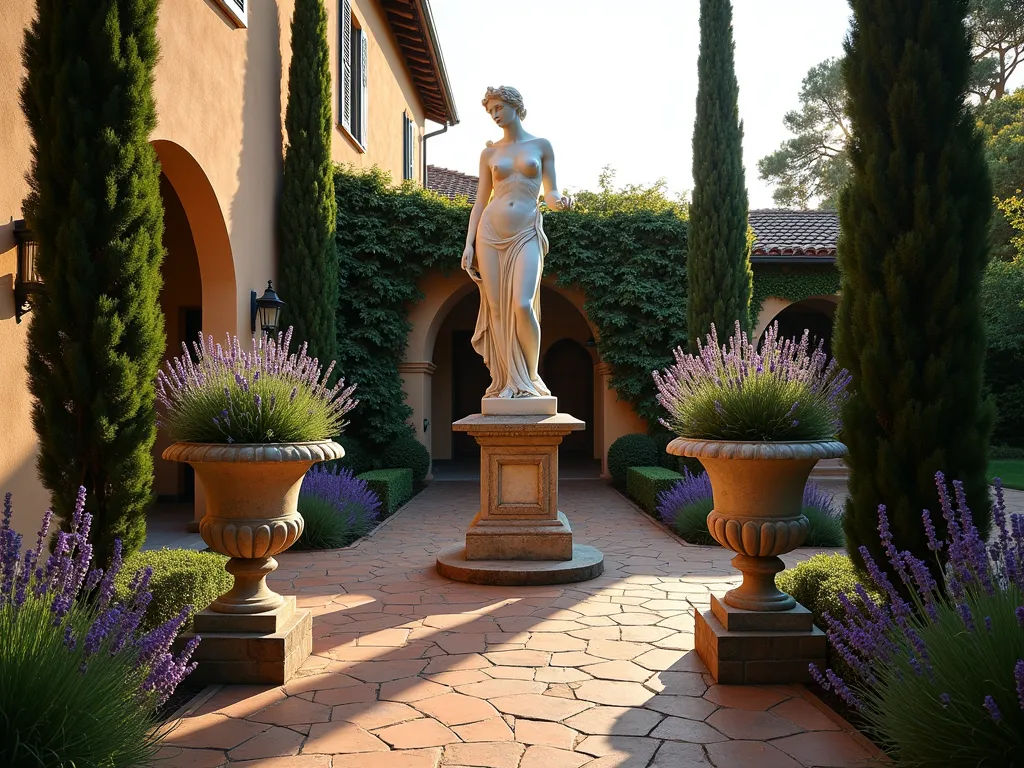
643	484
392	486
180	577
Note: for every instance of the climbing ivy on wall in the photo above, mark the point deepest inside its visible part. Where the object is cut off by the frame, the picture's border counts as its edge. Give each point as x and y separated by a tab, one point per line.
632	269
793	284
387	236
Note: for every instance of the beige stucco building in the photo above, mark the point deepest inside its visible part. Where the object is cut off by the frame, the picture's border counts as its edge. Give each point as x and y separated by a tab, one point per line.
220	88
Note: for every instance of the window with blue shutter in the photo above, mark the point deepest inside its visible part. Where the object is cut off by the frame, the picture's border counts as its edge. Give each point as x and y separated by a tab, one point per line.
353	55
345	64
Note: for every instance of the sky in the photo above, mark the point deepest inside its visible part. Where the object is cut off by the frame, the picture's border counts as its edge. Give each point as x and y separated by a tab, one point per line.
615	83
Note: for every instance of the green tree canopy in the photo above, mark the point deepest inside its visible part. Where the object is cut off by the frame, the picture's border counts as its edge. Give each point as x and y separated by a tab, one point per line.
814	164
1002	124
996	28
629	198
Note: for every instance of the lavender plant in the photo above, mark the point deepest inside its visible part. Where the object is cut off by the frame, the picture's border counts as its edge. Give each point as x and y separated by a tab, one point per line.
939	677
337	508
780	392
686	505
685	508
269	395
79	684
824	518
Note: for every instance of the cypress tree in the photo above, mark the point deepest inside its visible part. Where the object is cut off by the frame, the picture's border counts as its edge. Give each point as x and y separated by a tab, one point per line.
718	265
97	338
912	251
309	259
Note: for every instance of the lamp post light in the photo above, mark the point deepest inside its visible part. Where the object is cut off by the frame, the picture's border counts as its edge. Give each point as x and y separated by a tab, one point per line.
27	281
266	310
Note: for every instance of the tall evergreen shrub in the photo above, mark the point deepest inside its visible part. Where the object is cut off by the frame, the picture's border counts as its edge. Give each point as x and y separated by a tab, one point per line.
912	251
719	262
94	204
309	259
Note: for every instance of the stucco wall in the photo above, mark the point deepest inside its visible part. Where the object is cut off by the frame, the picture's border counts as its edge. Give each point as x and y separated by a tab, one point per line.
390	91
18	444
220	94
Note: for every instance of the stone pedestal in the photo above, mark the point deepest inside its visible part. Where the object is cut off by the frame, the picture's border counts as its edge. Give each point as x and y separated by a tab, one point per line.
743	647
253	648
518	521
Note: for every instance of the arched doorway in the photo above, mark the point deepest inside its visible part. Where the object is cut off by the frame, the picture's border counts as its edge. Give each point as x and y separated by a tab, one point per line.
199	294
568	370
814	315
460	377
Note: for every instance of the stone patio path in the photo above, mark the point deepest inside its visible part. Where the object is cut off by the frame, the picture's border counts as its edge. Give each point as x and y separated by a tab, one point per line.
411	670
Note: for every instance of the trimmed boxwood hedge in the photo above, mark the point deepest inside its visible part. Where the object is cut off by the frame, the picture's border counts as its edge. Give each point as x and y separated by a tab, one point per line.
392	486
180	577
643	484
632	450
407	451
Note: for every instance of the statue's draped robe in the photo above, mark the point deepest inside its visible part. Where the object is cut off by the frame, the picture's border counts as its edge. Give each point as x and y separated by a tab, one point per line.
499	346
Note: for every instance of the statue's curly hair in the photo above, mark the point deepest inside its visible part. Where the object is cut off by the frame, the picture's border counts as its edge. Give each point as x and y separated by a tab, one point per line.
509	95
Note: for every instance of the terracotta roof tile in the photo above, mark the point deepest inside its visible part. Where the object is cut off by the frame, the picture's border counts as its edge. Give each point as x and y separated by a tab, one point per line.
451	183
783	232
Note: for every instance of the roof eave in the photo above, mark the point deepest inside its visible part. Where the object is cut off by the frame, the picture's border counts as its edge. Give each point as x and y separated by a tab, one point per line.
770	259
435	54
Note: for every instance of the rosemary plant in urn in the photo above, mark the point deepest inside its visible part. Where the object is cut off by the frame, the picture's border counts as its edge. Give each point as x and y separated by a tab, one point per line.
251	424
758	419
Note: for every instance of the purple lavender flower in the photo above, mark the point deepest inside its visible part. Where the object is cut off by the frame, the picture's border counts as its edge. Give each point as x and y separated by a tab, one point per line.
67	577
929	529
350	495
965	615
882	644
691	490
993	710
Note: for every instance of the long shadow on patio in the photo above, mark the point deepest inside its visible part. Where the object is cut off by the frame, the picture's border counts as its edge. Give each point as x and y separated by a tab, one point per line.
410	669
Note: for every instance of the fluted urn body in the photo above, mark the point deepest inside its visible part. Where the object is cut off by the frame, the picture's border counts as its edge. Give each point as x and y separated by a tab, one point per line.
758	492
252	494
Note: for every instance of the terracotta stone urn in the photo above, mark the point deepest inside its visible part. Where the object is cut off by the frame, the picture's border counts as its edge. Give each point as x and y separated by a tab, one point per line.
252	493
758	492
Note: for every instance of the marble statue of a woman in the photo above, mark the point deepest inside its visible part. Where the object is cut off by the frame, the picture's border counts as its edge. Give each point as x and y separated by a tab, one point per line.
506	245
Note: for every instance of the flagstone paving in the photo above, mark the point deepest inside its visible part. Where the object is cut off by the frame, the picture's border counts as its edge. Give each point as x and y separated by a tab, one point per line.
411	670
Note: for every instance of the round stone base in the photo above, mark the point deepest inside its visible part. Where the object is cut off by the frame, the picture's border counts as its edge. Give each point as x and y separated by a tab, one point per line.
587	563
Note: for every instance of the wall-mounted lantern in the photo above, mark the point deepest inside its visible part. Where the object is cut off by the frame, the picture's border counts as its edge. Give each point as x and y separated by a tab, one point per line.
266	310
27	281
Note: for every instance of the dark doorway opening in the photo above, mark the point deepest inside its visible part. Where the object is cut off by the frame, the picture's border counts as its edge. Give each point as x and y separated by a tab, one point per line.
814	316
568	370
192	326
